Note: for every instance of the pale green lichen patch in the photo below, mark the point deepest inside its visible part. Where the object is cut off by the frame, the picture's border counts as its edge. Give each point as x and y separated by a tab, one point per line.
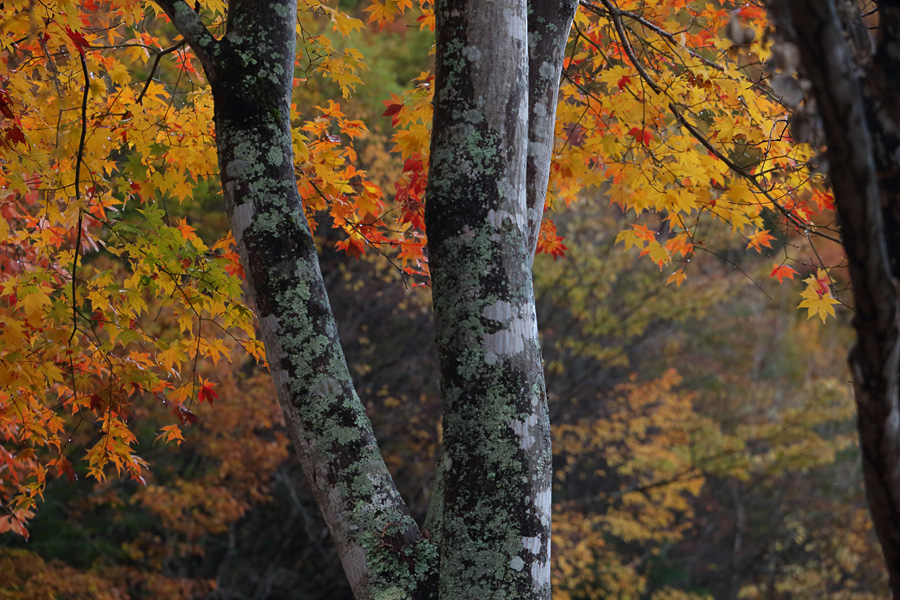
275	156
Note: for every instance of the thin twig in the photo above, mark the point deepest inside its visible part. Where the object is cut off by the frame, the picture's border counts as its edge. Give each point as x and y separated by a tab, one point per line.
614	11
159	55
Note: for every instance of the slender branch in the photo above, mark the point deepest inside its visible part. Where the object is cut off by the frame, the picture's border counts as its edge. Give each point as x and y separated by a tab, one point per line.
79	158
805	225
159	55
617	13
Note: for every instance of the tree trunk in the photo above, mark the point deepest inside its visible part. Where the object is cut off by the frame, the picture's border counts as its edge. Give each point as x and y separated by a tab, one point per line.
491	515
858	99
251	74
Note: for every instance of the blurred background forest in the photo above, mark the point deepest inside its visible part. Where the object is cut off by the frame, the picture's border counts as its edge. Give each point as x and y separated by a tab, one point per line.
704	437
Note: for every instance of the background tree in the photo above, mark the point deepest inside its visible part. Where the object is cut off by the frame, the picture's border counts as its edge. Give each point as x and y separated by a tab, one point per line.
854	96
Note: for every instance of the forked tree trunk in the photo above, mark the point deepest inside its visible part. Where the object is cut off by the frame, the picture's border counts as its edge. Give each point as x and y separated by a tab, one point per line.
491	515
857	95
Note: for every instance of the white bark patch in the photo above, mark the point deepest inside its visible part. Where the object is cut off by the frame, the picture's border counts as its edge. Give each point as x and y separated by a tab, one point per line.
500	311
519	329
241	220
540	573
532	544
507	341
525	431
542	505
512	337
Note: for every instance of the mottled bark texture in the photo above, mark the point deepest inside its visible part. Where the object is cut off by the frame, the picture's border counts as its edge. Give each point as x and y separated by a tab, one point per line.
251	72
490	164
490	158
855	85
549	22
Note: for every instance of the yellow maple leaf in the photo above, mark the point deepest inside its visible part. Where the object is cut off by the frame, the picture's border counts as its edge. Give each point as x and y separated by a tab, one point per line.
817	298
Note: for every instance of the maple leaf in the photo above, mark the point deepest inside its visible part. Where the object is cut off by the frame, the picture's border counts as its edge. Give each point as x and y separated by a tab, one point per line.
818	305
657	253
352	246
15	135
385	12
78	40
782	272
207	393
5	102
394	106
817	298
642	135
824	200
170	433
64	467
549	242
184	415
759	239
677	278
187	232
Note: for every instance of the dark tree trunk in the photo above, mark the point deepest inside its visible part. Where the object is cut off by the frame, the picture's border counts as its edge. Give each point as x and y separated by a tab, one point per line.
858	99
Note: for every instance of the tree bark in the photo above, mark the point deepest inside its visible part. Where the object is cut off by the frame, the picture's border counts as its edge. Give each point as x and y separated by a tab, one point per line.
549	23
490	158
251	73
491	151
858	100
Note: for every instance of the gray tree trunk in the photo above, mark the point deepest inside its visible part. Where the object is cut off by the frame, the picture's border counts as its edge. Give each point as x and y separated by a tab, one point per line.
490	520
857	91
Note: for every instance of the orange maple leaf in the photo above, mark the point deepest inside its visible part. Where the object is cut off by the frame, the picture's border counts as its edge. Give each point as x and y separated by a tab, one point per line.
187	232
782	271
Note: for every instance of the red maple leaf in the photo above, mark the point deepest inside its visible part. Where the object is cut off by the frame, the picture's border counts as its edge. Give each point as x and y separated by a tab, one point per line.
642	135
207	393
14	134
78	40
184	415
394	106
